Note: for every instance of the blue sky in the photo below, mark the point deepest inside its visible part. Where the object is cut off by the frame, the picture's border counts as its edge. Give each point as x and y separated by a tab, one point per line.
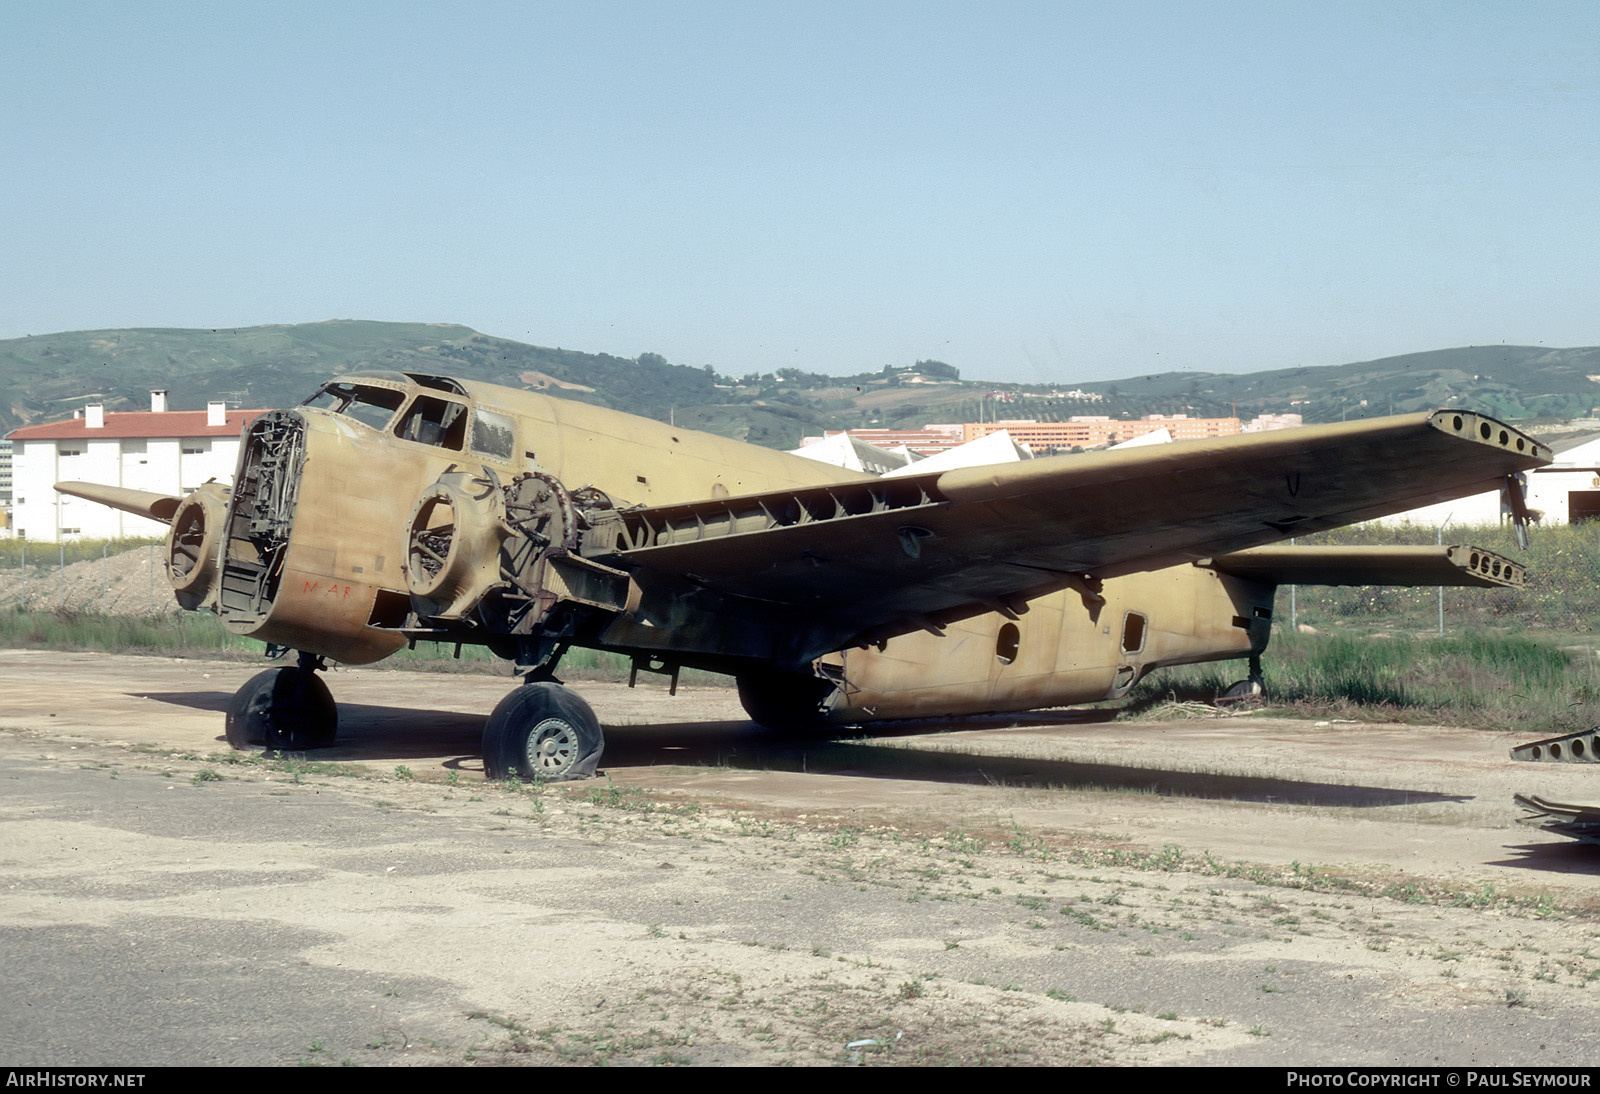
1047	192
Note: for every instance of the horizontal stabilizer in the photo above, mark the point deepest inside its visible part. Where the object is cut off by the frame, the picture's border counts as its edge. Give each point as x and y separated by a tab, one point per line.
139	502
1569	748
1426	566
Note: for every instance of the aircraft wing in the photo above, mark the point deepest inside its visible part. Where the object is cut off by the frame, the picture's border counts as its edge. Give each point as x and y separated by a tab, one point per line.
862	561
139	502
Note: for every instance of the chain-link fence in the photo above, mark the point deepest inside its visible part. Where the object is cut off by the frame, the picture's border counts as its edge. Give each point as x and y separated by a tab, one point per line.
1561	597
100	577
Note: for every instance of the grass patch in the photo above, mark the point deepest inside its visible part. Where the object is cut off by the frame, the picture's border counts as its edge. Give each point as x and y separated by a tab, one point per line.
201	634
1498	681
194	633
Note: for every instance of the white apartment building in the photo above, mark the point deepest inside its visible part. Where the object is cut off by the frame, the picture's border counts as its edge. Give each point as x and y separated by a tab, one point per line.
162	451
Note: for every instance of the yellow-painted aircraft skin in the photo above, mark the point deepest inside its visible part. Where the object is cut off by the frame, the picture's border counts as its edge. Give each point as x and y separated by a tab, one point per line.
394	506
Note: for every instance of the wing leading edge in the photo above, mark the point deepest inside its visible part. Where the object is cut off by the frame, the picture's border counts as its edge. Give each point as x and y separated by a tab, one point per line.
865	560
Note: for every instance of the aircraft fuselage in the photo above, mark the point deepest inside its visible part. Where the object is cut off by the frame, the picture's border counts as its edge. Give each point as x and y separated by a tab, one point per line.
321	554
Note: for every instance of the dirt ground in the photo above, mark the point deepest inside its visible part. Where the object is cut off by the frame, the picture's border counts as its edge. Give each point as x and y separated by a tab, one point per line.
1050	888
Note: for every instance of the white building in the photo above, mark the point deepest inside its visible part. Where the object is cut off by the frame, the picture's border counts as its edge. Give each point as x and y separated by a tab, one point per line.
5	488
1567	490
162	451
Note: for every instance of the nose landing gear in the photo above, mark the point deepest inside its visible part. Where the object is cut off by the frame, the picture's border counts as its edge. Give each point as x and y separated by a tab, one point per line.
284	710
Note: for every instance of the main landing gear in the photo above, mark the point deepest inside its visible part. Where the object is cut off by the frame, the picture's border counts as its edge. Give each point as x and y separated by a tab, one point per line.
284	710
542	731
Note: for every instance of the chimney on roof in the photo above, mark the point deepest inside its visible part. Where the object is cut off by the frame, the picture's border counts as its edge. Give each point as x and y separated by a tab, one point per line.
94	416
216	413
158	402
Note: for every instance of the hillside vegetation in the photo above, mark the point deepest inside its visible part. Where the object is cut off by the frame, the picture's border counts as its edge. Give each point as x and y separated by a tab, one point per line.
49	376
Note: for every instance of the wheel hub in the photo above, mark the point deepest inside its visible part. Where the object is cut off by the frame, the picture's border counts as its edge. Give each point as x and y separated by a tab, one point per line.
552	746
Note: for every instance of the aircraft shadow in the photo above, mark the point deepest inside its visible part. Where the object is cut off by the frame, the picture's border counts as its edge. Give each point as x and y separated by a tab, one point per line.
377	734
371	733
745	746
1569	856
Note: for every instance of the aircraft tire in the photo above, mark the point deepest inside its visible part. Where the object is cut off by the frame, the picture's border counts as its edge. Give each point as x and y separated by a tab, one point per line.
542	733
786	702
1245	691
282	710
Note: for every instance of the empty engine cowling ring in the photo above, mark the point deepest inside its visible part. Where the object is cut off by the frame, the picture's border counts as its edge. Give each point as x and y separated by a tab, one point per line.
192	547
452	547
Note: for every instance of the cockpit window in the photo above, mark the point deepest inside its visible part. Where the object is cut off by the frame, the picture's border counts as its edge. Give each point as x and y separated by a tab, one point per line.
492	434
438	422
372	406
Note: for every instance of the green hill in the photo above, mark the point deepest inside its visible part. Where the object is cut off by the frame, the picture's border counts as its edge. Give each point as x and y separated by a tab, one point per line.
1511	382
49	376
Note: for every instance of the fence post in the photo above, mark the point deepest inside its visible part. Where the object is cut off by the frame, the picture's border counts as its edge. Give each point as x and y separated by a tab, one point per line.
1293	627
1438	539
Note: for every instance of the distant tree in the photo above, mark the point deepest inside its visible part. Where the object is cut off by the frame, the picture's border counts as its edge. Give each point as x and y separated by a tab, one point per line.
652	360
939	369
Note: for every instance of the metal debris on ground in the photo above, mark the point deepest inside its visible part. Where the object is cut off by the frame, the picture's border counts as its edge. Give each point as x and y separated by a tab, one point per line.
1579	822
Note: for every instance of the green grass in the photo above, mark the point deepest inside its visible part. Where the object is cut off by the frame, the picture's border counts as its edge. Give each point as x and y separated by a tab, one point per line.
194	634
201	634
1561	597
1491	680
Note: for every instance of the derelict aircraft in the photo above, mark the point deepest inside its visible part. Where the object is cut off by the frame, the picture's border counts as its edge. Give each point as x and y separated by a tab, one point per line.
392	507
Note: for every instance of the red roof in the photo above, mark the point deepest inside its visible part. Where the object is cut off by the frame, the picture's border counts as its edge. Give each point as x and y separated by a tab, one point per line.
138	423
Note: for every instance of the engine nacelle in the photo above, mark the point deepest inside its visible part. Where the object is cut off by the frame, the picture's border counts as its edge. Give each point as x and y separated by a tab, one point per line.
453	536
194	546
